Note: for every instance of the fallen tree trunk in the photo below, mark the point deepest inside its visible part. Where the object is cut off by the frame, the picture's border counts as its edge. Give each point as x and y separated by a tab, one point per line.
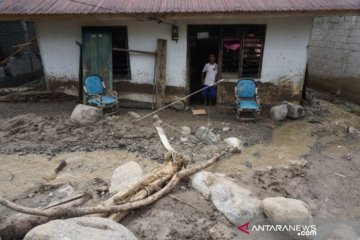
154	181
81	211
17	225
147	190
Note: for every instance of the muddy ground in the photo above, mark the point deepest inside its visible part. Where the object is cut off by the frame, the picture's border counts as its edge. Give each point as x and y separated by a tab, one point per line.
36	136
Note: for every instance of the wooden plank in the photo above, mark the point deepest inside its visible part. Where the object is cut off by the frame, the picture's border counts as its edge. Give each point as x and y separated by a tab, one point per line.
160	73
19	49
199	112
134	51
63	201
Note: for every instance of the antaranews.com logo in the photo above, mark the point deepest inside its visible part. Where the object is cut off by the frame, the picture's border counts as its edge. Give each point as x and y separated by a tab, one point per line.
301	230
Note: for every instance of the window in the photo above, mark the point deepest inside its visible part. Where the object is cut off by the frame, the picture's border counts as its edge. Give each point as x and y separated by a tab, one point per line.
240	47
121	63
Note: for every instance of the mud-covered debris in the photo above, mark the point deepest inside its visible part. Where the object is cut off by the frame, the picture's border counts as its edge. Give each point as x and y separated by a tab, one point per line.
134	114
225	129
64	191
352	130
298	163
178	106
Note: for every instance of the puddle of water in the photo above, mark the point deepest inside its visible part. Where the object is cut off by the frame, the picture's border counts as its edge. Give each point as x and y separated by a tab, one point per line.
291	141
288	142
21	173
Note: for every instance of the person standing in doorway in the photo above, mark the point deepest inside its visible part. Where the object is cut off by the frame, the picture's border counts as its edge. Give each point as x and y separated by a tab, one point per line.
209	72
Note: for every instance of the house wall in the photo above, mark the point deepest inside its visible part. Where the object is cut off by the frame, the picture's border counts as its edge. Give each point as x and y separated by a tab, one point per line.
284	58
334	56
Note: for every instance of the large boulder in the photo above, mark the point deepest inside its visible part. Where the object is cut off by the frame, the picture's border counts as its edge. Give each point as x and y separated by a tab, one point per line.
84	114
295	111
287	211
279	112
205	135
234	201
125	176
89	228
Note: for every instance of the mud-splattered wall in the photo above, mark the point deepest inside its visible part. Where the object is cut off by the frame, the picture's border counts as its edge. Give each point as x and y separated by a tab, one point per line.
334	56
282	74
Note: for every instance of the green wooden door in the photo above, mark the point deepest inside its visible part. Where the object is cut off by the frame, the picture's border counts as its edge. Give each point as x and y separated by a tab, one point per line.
97	55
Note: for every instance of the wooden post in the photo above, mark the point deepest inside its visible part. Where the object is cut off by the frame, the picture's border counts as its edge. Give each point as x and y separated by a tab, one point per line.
160	73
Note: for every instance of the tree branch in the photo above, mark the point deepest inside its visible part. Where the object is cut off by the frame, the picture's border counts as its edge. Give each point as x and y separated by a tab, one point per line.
81	211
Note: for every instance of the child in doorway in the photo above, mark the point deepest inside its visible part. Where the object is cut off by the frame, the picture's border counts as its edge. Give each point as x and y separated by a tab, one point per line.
210	72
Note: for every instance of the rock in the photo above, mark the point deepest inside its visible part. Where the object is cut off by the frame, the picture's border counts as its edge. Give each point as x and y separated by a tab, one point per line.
341	232
287	211
125	176
64	191
295	111
206	135
298	163
84	114
352	130
89	228
221	232
279	113
199	182
225	129
185	133
178	106
134	114
235	202
234	144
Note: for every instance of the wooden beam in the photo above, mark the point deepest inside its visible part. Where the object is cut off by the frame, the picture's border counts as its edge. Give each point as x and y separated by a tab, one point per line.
160	73
134	51
19	49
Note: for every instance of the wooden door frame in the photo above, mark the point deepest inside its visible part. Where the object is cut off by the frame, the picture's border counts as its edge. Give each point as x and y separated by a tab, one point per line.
97	29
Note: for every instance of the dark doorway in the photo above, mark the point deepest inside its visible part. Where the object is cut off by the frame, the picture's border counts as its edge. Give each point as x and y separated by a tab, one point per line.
200	49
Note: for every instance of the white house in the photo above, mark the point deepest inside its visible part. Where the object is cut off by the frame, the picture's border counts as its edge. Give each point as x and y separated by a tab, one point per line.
263	40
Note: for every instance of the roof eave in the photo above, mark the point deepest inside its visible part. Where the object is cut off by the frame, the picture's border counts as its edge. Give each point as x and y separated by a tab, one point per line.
184	15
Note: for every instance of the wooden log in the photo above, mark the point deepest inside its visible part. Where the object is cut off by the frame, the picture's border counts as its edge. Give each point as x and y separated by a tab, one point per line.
81	211
17	225
15	96
160	73
19	49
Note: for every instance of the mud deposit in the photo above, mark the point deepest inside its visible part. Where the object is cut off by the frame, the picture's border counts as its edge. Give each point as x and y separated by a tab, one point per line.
36	137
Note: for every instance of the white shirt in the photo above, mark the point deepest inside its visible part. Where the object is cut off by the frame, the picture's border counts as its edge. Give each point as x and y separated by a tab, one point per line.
211	71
